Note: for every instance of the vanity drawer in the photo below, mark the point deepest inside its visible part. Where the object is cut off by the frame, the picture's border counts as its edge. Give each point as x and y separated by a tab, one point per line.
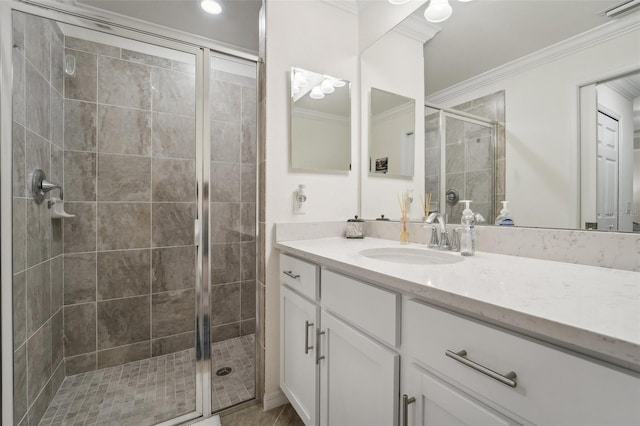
552	386
374	310
300	275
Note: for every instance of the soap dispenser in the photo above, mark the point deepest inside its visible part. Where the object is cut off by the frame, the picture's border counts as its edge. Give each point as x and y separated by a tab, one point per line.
467	233
504	218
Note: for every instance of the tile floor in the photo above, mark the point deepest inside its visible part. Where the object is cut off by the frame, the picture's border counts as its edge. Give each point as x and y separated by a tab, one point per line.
255	416
239	385
153	390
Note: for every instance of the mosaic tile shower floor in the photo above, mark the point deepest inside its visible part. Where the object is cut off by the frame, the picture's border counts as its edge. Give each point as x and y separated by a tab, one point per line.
152	390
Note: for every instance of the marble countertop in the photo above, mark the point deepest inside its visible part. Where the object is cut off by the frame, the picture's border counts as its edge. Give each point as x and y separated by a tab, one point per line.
588	309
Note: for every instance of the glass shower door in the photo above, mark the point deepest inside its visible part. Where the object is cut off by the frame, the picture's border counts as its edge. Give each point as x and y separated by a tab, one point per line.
104	300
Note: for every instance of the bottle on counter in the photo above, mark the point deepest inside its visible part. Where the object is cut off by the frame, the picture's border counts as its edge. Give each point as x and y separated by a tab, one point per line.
467	231
505	218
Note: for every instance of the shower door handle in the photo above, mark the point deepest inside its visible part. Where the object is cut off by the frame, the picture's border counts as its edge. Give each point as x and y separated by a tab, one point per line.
197	231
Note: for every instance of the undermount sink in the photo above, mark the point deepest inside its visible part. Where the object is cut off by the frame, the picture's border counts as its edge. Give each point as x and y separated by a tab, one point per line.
411	256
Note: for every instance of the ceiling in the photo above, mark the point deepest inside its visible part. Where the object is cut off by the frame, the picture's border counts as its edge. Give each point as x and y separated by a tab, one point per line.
237	25
484	34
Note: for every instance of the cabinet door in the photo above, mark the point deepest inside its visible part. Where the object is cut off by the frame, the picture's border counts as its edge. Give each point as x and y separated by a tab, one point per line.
437	403
298	369
359	378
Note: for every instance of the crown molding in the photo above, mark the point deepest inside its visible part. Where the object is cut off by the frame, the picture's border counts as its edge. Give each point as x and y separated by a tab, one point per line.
556	51
417	28
349	6
625	88
393	111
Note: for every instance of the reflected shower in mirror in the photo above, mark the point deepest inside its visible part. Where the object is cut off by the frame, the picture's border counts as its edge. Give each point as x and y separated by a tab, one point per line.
320	122
392	134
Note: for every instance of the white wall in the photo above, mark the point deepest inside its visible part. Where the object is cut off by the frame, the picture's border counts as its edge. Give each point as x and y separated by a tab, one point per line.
542	170
395	64
614	101
318	37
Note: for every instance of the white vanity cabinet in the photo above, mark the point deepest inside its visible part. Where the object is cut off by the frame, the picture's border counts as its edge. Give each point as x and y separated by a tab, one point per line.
351	349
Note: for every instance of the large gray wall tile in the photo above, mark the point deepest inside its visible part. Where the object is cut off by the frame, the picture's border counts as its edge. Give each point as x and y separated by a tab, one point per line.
220	333
124	130
37	40
124	178
248	260
38	361
174	180
123	274
92	47
20	383
80	364
173	312
247	327
143	58
124	225
174	136
57	339
79	125
56	246
173	224
225	223
79	278
19	296
19	99
57	283
248	186
225	182
124	354
225	303
19	234
19	161
480	155
173	92
80	176
37	156
248	221
225	263
82	86
173	268
56	174
80	231
226	141
38	296
79	329
57	64
248	300
226	102
171	344
57	118
249	125
17	22
123	321
123	83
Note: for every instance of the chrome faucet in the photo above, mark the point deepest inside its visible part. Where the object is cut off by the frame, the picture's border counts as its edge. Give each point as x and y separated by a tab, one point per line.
438	241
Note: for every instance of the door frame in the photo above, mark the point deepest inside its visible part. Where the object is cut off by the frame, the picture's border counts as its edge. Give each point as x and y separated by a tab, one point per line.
103	22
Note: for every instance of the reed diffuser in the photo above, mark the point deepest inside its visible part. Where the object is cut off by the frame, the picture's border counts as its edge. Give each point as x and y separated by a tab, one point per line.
426	206
405	200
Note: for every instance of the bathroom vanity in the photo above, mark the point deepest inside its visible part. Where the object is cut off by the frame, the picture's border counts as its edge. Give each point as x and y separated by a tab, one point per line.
491	339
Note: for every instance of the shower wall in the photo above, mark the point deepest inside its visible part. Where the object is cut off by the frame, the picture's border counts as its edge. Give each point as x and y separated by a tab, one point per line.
37	240
233	203
129	177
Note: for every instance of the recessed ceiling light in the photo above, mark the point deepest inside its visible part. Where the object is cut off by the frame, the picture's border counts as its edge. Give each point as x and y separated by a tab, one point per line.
211	6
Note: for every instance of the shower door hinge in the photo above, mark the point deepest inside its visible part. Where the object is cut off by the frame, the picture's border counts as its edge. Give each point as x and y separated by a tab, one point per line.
197	230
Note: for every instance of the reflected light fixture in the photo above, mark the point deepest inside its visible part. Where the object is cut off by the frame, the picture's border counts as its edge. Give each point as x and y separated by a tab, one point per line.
337	83
211	6
327	87
398	1
438	11
316	93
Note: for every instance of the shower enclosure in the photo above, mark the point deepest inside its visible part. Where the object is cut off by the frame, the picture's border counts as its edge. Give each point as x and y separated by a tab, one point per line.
460	163
139	305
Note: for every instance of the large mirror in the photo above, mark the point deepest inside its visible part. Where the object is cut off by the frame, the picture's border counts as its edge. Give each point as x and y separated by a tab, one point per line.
392	134
320	122
538	71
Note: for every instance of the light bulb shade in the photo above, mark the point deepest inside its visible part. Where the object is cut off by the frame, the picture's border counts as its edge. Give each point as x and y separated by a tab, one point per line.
211	6
337	83
327	87
438	11
316	93
464	1
398	1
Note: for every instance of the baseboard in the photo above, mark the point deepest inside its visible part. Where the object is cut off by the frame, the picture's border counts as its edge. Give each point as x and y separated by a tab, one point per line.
274	399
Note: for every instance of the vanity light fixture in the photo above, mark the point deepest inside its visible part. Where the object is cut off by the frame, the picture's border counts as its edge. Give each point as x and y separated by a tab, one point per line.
316	93
398	1
211	6
438	11
336	83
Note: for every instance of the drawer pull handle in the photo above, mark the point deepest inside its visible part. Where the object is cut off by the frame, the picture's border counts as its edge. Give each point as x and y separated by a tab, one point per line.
406	401
291	274
318	357
307	324
508	379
